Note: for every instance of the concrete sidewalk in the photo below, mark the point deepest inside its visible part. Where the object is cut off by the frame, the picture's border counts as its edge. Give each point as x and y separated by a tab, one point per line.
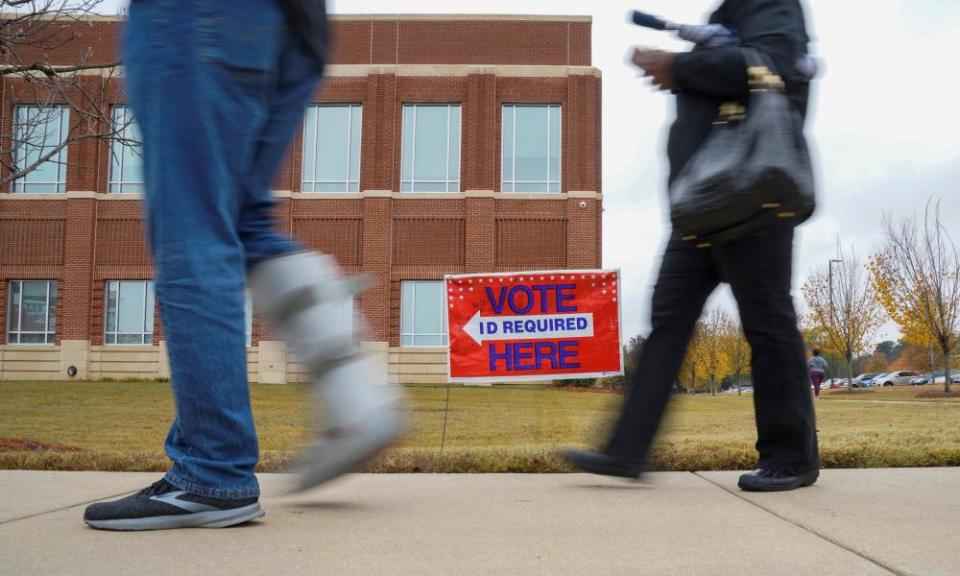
852	522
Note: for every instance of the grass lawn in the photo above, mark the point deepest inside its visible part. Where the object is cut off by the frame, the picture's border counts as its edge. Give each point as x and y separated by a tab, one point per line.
121	426
895	393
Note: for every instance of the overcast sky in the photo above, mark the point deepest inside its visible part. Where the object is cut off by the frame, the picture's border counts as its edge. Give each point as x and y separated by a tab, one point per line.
884	123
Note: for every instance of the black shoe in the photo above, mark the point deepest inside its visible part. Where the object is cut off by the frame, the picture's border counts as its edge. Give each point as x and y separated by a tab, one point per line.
163	506
600	463
765	480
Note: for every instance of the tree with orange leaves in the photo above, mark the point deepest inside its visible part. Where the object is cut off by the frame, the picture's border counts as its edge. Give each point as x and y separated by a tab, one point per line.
917	279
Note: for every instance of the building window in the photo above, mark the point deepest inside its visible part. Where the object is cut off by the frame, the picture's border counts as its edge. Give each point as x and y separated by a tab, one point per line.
431	148
126	156
32	315
331	148
423	314
531	148
129	312
39	132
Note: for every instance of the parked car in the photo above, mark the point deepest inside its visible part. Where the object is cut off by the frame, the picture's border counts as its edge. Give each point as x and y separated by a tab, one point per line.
896	378
859	380
921	380
872	381
940	379
834	383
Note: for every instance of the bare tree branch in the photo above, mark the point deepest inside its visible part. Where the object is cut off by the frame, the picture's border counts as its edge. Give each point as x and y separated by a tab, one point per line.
52	71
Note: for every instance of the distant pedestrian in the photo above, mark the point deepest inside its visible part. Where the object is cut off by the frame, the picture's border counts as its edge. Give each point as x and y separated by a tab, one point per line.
218	90
817	365
758	265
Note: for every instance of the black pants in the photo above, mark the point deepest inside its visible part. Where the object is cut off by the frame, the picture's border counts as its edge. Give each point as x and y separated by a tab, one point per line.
758	269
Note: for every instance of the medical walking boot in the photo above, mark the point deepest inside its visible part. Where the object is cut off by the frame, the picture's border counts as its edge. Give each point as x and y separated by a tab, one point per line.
307	300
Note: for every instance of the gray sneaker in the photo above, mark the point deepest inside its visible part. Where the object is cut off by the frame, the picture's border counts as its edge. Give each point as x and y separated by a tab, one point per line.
163	506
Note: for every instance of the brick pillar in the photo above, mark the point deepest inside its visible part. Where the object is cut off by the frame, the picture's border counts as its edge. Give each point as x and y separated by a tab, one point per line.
592	136
381	137
75	291
88	159
581	139
480	145
375	256
480	250
583	240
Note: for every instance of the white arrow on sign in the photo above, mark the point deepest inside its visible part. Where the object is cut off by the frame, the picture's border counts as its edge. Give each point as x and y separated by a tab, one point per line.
545	326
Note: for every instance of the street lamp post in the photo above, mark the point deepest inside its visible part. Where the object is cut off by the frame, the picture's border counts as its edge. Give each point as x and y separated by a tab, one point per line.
833	312
830	274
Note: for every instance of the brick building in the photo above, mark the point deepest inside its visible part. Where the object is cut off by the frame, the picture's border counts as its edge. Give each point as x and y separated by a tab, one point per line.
437	145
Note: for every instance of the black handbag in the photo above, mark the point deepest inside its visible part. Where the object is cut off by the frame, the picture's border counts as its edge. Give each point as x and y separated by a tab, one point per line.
753	169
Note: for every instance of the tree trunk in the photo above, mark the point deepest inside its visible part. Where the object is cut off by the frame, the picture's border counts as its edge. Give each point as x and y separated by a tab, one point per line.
739	385
849	374
946	370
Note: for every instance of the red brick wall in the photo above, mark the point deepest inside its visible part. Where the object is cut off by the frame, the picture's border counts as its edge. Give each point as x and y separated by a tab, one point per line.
410	41
83	242
371	41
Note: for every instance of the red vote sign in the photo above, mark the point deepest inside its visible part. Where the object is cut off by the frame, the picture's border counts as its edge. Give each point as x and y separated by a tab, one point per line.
524	326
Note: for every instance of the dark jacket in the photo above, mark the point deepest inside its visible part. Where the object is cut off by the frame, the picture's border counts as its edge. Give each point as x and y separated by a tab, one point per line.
309	19
706	77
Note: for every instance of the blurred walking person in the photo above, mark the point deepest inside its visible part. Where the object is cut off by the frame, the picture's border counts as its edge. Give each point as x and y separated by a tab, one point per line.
218	90
817	365
757	265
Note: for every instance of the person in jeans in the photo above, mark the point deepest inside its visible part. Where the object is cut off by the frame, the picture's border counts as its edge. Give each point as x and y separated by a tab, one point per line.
817	365
218	90
758	267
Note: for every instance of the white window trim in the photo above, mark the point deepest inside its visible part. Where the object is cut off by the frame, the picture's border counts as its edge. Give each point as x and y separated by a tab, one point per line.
350	185
116	333
20	185
49	336
444	336
547	183
116	185
450	185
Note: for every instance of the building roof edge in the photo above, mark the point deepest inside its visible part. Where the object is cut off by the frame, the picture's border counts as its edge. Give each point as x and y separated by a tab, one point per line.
467	17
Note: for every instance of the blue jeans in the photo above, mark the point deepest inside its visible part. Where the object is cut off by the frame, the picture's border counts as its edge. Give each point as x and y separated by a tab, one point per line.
218	90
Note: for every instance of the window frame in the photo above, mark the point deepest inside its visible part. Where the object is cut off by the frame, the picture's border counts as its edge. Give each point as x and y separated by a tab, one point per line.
412	181
49	336
353	108
514	181
22	185
444	329
116	185
146	338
